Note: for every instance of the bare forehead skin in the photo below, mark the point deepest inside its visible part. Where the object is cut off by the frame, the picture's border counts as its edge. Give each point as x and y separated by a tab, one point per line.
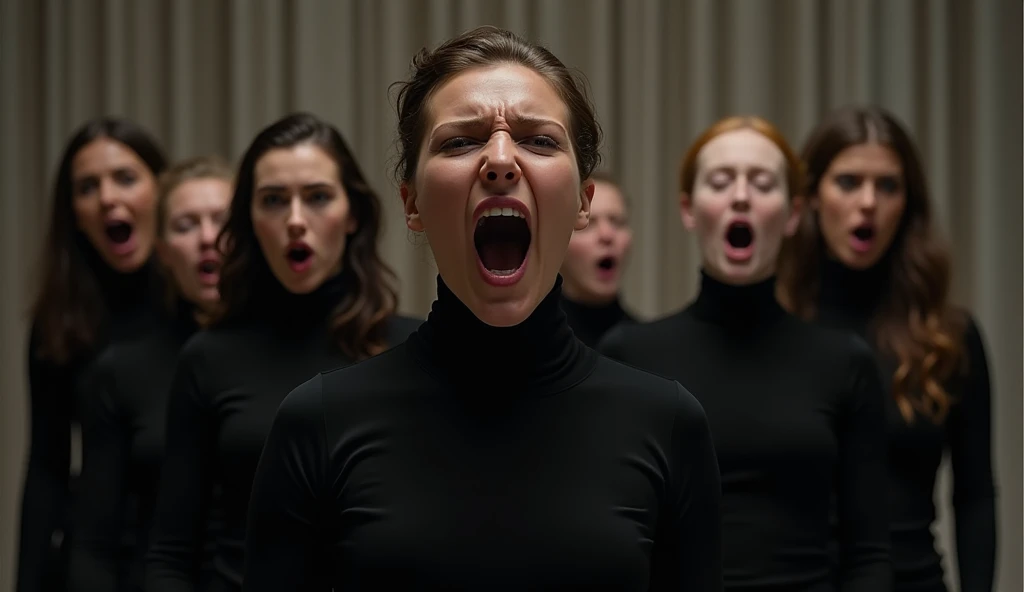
742	149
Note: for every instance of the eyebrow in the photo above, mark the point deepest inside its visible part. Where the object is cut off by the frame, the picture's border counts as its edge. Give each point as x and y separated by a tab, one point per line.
307	187
483	122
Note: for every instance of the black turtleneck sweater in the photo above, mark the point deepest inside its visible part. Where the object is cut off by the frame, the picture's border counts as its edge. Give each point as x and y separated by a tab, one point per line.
796	415
228	384
57	396
122	440
483	458
590	323
849	300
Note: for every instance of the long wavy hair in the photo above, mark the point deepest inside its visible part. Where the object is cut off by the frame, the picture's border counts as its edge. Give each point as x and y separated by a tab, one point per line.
358	322
915	323
68	311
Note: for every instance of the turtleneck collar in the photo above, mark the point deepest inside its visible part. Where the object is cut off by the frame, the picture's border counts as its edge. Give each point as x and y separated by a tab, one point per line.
126	292
741	307
852	293
298	313
590	322
540	355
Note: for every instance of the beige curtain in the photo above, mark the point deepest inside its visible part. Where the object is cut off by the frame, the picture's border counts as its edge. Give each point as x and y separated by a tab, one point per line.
205	75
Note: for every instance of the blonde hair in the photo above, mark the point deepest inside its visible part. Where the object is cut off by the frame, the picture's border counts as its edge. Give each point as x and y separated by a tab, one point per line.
200	167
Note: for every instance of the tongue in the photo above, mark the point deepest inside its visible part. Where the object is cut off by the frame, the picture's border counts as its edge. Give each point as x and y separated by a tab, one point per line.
501	256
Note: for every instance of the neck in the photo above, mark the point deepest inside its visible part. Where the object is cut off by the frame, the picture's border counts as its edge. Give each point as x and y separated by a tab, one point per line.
539	354
743	307
851	291
124	292
293	312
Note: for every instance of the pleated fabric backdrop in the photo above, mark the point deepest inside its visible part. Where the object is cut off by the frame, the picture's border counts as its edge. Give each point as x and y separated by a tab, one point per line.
205	75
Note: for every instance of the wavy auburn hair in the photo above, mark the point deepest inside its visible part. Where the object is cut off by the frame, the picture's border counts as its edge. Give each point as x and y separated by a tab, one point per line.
915	322
359	322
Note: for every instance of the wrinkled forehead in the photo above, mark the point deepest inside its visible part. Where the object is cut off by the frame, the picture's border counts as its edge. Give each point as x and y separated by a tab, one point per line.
513	93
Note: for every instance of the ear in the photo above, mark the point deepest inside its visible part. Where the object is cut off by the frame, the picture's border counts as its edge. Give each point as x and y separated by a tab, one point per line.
586	197
412	213
796	209
686	210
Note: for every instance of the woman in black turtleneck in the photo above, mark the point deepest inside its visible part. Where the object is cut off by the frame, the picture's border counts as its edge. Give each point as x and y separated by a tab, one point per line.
795	410
98	287
866	259
123	428
492	450
592	270
303	290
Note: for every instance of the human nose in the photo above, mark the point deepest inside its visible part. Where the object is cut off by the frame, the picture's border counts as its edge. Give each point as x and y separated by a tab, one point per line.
499	166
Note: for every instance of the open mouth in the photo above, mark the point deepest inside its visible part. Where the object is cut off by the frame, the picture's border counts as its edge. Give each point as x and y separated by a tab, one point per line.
739	235
299	254
864	232
119	232
209	267
502	239
607	263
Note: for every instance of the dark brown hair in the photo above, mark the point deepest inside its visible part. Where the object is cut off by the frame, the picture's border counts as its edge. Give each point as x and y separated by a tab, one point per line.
68	312
359	320
690	165
489	46
915	323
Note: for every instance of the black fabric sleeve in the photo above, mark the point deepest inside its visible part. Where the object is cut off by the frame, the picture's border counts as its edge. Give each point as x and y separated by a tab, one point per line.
864	556
285	522
98	512
45	494
688	549
974	492
186	484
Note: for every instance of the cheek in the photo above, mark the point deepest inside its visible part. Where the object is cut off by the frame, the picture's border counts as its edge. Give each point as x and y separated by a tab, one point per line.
831	214
265	228
707	216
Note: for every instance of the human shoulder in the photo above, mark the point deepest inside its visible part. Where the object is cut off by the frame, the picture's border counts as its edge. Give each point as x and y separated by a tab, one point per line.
635	335
400	327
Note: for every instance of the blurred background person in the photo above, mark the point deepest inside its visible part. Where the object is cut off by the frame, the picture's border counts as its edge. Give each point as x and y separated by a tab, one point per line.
123	427
867	258
595	262
99	286
795	409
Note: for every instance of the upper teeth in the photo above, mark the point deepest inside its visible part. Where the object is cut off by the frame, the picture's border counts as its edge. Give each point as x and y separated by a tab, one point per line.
502	212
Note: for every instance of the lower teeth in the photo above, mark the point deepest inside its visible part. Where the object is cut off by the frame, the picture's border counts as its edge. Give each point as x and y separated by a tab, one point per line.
502	271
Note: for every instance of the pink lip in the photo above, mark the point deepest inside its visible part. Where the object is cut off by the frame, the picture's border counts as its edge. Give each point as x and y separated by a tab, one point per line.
860	245
502	201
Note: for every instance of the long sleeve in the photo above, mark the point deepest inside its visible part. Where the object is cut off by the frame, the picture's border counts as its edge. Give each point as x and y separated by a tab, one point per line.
98	511
865	564
974	492
186	484
688	547
45	495
285	524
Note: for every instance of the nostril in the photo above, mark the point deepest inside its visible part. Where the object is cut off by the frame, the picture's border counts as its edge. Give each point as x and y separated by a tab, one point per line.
492	175
509	175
